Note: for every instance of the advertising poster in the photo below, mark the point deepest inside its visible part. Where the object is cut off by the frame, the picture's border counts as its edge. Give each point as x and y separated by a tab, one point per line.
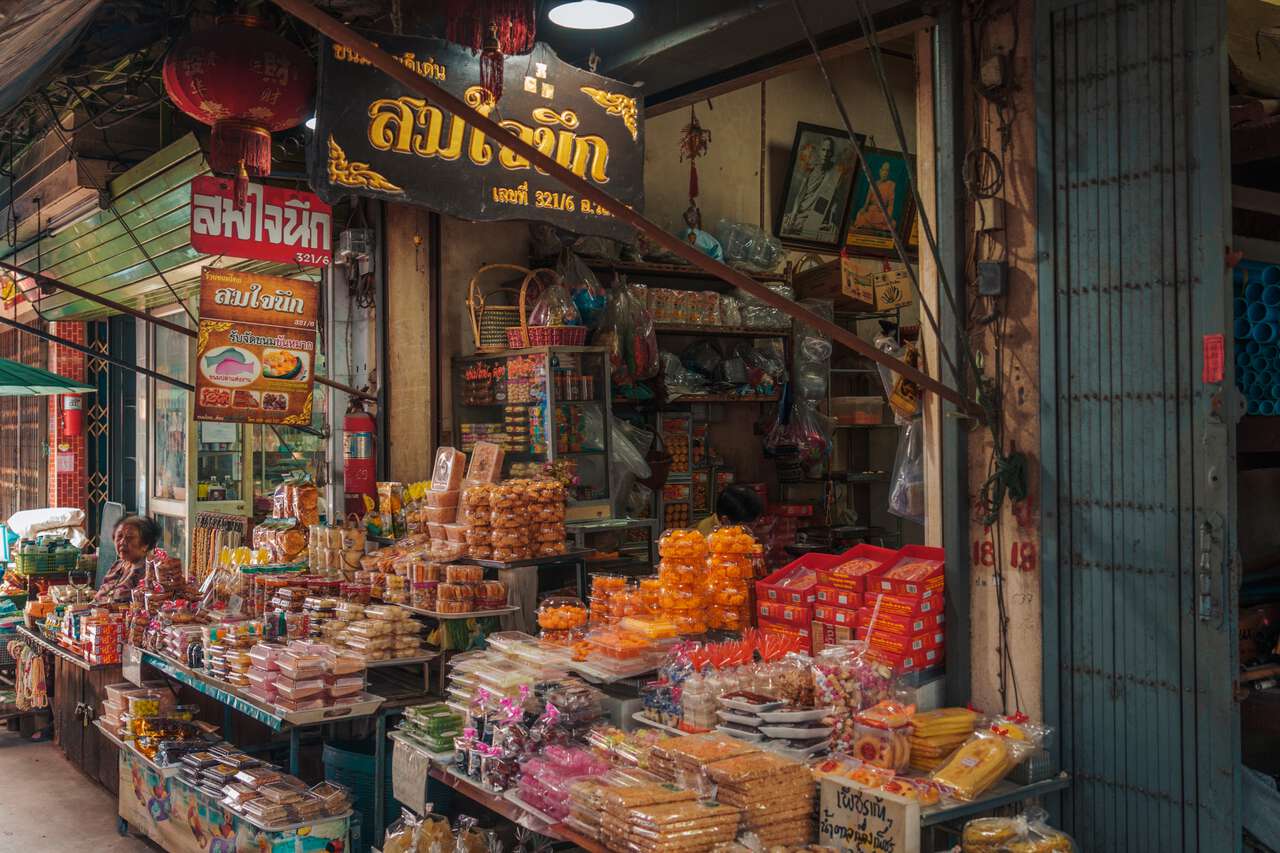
255	357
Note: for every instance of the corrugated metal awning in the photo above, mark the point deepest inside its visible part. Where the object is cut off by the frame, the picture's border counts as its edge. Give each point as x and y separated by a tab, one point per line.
34	38
97	254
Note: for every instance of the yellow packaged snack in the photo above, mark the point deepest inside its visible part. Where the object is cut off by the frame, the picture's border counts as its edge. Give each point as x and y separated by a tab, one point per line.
988	755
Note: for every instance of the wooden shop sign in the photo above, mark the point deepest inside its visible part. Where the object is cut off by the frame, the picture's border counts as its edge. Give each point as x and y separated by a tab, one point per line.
275	224
375	138
255	354
854	818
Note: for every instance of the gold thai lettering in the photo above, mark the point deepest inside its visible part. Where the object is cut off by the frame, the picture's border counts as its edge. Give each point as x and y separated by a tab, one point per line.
407	125
512	195
427	67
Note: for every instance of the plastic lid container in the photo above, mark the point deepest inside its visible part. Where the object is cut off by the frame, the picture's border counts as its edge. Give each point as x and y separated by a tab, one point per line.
287	688
344	662
385	611
263	678
506	641
264	655
505	678
345	686
300	704
300	666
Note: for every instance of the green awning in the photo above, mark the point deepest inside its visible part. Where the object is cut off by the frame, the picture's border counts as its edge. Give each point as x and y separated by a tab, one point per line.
21	380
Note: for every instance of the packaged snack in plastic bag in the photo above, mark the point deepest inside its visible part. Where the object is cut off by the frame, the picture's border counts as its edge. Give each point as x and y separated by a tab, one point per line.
906	487
555	307
988	755
1028	832
847	680
584	288
627	332
401	835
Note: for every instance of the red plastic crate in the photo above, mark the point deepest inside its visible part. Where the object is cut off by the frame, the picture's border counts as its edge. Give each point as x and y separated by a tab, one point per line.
933	582
896	623
769	626
777	611
859	583
836	597
770	589
829	615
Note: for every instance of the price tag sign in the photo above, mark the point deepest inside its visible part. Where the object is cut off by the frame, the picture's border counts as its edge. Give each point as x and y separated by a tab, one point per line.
131	665
854	818
409	771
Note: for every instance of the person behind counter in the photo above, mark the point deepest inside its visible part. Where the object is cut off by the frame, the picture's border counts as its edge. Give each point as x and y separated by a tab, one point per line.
736	505
134	537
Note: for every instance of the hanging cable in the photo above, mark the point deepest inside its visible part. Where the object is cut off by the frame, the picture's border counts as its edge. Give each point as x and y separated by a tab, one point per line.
874	189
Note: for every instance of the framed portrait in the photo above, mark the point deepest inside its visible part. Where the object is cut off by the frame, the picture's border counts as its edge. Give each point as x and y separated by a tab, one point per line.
815	194
869	233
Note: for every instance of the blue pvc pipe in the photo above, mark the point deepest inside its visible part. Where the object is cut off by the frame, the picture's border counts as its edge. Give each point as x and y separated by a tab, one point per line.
1241	328
1271	295
1252	407
1253	347
1266	407
1265	378
1238	306
1259	271
1253	291
1242	359
1256	312
1275	392
1263	333
1258	363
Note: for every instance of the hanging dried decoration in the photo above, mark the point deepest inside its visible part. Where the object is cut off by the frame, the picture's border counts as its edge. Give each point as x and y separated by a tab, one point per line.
694	141
495	29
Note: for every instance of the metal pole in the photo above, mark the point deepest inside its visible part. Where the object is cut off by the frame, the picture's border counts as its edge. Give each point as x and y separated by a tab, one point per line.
379	58
110	359
146	318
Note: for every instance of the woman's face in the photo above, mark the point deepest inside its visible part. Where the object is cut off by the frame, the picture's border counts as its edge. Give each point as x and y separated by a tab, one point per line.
128	542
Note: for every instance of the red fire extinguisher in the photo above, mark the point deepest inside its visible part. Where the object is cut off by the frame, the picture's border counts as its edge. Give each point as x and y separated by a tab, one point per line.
359	465
72	415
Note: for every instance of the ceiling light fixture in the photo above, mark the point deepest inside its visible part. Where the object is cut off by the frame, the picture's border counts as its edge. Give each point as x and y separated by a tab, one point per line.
590	15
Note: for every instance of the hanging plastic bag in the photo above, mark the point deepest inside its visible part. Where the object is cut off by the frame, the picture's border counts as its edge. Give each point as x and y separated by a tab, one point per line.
555	307
800	440
680	381
906	487
584	287
627	333
702	357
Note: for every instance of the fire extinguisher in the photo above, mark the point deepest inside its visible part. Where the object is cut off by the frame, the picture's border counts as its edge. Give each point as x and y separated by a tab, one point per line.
359	465
72	415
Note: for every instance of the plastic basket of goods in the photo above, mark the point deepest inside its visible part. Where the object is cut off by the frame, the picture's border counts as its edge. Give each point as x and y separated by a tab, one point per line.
45	556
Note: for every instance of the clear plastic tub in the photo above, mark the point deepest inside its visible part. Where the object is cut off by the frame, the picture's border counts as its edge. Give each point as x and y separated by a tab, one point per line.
299	666
263	678
296	691
504	679
386	612
345	686
264	655
344	662
506	641
295	705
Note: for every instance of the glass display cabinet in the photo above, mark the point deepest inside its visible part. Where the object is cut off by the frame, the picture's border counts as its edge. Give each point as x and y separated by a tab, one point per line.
547	407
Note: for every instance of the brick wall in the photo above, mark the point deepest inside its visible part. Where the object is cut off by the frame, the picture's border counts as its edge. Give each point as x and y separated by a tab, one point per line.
67	488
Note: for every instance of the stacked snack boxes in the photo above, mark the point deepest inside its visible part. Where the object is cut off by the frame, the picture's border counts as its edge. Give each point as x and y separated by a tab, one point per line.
842	591
907	632
786	598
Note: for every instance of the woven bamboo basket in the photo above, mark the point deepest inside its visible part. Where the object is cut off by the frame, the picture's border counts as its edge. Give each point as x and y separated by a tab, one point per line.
524	335
490	319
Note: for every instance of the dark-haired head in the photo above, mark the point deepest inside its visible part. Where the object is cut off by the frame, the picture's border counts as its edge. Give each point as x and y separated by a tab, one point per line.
739	505
134	536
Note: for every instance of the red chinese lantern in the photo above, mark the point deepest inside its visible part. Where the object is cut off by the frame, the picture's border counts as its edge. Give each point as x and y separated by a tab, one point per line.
246	81
495	28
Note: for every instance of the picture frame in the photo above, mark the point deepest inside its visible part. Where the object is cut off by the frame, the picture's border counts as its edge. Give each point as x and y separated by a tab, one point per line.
814	206
867	234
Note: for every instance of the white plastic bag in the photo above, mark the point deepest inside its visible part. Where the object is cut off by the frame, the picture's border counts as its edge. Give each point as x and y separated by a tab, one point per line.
906	488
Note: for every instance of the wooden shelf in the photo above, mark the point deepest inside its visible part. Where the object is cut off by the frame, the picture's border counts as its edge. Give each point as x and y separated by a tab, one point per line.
718	331
673	270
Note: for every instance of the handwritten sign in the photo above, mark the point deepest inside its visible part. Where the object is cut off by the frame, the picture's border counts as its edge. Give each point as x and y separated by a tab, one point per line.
275	224
409	771
255	357
857	819
376	138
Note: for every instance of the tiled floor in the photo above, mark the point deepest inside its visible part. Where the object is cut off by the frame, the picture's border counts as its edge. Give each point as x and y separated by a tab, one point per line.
48	806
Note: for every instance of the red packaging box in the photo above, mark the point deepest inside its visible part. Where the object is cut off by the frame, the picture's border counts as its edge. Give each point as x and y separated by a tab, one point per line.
858	579
774	588
777	611
904	605
825	635
790	510
769	626
908	662
835	597
919	582
829	615
899	644
896	623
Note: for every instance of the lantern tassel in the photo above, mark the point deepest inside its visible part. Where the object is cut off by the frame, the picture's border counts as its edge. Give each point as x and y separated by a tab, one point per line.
491	65
241	191
693	181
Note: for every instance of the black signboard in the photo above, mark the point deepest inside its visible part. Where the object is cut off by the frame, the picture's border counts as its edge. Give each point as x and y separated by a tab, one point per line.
374	138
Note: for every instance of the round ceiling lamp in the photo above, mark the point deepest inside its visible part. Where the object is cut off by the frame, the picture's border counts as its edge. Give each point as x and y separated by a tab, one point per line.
590	15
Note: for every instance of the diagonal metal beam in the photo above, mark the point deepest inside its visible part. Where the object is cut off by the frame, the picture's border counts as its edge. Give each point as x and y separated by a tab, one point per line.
339	32
50	281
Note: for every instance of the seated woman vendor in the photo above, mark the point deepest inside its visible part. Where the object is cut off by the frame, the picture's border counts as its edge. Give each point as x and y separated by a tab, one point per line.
736	505
134	537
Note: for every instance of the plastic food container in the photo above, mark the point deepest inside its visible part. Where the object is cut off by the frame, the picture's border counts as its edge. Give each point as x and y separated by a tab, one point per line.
343	662
345	686
784	715
385	612
287	688
461	573
752	703
300	704
739	717
740	733
263	678
797	732
264	655
299	666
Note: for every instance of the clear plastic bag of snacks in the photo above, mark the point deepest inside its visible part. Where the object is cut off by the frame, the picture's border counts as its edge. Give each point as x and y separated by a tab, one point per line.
513	554
986	757
882	735
847	680
1028	832
509	537
549	549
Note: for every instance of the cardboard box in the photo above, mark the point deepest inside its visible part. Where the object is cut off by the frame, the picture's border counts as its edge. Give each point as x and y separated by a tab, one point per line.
932	582
899	644
836	597
776	611
906	626
825	635
880	291
786	629
858	583
829	615
773	589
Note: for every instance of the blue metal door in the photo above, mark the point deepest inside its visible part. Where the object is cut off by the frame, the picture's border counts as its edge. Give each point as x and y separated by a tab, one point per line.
1138	440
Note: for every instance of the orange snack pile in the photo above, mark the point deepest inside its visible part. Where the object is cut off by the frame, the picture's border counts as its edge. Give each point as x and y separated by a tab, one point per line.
728	578
562	620
682	579
603	589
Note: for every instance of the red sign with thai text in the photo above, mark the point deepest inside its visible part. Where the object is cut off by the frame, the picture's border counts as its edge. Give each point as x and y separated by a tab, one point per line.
275	224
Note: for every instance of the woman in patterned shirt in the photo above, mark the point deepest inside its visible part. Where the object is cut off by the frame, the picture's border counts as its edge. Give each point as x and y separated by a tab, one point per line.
134	537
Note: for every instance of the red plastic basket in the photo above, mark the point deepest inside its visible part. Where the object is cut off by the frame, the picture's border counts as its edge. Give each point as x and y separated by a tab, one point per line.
546	336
